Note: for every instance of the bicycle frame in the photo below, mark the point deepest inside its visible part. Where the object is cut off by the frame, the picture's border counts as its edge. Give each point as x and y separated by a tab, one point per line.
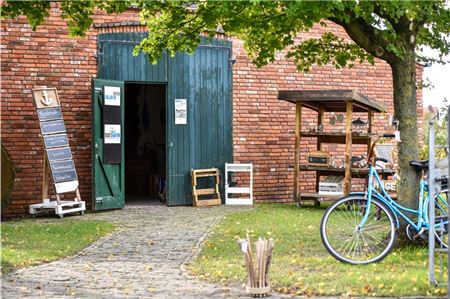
398	210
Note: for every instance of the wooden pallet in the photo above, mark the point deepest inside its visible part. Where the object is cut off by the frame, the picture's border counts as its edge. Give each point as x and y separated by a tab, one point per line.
60	208
202	173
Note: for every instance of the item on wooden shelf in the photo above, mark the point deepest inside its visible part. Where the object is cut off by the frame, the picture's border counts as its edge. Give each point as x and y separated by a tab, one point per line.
359	123
331	185
339	118
319	158
341	164
359	162
385	151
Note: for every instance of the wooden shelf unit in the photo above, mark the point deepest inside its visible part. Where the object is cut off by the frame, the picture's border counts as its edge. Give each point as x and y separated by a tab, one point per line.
212	191
321	101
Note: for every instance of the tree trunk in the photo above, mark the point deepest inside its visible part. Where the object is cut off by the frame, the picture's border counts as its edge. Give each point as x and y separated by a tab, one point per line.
8	174
405	109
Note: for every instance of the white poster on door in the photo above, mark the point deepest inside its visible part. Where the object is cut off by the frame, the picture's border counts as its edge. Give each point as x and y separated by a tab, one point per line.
112	134
180	111
112	96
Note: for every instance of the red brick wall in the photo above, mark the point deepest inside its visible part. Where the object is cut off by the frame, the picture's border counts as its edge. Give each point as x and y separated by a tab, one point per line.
263	127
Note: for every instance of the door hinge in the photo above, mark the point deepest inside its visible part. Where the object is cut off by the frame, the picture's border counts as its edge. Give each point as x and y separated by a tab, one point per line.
97	149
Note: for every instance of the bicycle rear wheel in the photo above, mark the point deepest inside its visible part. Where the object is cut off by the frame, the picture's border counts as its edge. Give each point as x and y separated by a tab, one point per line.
348	243
441	218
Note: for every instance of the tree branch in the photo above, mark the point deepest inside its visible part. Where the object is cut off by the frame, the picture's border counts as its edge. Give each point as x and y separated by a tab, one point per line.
367	37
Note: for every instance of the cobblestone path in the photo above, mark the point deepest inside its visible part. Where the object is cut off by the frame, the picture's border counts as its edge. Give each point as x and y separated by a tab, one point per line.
144	258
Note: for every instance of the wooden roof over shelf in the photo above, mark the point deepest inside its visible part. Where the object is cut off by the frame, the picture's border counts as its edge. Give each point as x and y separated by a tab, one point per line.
331	100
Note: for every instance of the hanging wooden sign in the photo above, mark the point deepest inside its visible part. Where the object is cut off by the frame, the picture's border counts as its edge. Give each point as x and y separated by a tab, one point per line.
56	140
49	114
64	176
66	165
53	127
58	156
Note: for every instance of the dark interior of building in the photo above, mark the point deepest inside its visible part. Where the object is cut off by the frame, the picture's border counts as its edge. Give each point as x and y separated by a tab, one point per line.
145	143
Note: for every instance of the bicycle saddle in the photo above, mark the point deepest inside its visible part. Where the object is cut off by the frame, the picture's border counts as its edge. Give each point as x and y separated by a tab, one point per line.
419	165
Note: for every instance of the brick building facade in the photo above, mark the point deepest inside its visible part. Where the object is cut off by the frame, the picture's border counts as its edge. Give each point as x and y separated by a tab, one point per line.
263	127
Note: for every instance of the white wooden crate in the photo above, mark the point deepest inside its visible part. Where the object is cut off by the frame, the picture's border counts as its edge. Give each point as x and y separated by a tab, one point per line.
331	185
236	167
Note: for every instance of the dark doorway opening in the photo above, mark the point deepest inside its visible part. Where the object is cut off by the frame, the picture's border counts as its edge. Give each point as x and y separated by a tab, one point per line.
145	143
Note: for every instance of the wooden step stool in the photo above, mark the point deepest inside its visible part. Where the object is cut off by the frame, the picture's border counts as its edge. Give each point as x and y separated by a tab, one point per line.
202	173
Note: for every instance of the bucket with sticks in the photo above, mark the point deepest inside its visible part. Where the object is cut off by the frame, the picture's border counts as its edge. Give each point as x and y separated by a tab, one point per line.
257	265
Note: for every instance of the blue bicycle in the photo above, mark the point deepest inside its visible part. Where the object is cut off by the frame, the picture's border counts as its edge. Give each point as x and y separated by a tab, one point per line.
362	228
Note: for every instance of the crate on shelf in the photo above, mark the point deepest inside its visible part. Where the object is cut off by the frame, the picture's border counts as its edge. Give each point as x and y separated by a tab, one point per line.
331	185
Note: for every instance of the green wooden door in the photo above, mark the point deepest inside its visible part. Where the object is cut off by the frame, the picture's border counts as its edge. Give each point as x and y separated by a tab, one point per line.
203	80
108	164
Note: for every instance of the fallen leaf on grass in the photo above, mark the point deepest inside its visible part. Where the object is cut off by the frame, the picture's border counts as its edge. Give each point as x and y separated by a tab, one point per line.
367	289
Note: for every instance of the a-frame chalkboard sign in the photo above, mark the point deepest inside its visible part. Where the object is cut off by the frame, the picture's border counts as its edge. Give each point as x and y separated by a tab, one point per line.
58	160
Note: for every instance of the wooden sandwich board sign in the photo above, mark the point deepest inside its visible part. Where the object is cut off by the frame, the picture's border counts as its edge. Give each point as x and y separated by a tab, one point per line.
58	161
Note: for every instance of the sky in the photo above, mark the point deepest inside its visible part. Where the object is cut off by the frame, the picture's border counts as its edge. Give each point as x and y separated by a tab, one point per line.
439	77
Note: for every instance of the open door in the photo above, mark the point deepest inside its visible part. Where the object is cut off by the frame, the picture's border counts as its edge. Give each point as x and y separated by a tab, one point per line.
108	167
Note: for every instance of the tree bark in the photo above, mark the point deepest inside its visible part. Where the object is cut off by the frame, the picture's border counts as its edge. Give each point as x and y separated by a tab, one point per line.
405	110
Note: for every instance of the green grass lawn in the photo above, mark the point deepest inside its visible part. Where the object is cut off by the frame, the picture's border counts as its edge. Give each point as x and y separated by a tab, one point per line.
301	265
33	241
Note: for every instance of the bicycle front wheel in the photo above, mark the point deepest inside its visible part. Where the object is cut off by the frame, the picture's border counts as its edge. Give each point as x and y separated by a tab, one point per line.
346	241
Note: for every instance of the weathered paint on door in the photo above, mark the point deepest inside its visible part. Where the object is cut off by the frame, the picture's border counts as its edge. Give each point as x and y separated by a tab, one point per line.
108	180
204	79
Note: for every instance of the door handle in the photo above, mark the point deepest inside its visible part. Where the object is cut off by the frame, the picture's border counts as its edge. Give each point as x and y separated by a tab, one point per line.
97	149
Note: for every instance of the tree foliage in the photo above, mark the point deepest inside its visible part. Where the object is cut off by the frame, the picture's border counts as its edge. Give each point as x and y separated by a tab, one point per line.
78	14
383	29
440	123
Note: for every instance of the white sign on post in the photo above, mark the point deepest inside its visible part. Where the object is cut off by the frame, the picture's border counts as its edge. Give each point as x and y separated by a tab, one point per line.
112	134
180	111
112	96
